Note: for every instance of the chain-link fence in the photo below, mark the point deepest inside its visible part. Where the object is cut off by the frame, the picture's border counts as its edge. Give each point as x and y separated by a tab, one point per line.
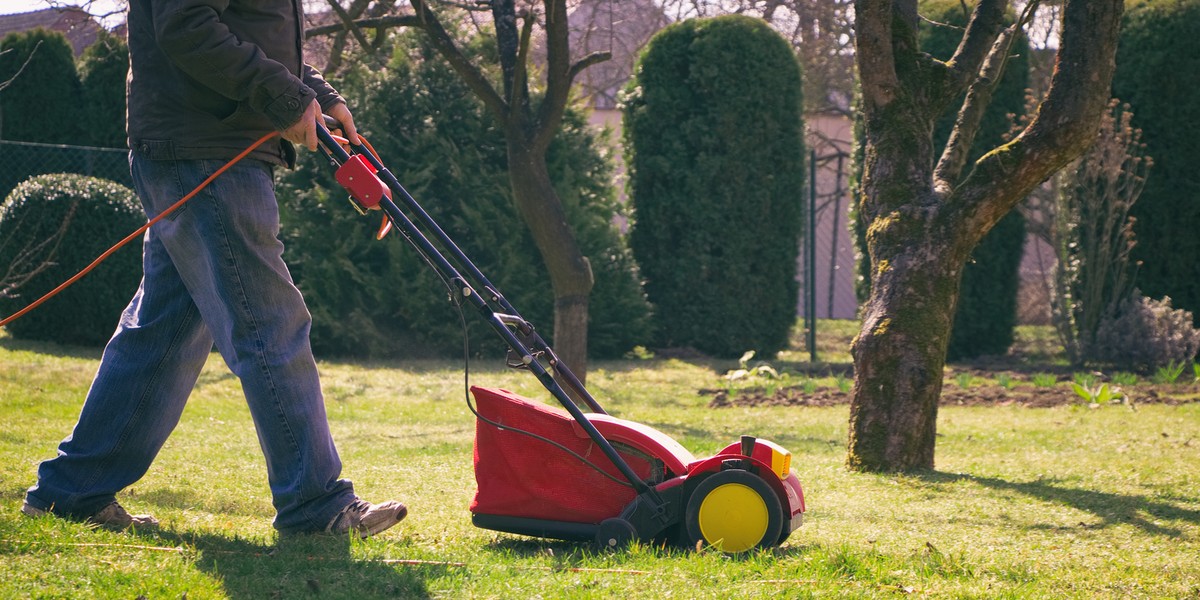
21	160
832	253
827	254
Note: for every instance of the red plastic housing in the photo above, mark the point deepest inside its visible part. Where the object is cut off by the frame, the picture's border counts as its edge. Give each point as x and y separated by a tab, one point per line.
358	177
521	476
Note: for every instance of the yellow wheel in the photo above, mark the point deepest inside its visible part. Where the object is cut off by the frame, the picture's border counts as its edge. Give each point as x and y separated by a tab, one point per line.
734	511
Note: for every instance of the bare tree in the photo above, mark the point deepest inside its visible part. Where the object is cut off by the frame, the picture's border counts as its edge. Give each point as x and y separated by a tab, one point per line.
924	214
530	111
621	28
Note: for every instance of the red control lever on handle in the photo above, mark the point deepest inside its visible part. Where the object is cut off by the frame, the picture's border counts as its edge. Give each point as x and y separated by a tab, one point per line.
358	177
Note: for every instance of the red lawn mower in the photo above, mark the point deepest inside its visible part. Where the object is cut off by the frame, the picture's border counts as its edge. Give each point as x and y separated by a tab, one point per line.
564	473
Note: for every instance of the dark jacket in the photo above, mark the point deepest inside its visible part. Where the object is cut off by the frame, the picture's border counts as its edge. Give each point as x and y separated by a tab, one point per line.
209	77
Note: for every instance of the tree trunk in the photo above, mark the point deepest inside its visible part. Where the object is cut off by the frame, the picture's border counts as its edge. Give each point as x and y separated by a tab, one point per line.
898	359
570	271
528	131
924	215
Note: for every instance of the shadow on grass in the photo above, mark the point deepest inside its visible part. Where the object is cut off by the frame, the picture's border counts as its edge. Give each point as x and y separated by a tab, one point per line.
51	348
1113	509
568	554
524	547
297	567
184	498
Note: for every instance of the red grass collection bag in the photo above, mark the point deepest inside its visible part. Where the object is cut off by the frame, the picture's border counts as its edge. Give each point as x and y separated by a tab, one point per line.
522	476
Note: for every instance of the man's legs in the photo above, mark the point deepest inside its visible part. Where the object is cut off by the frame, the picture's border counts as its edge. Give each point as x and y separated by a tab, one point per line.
147	371
225	244
222	247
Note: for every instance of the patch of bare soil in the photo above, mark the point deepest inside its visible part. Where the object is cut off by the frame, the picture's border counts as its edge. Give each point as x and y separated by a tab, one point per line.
980	395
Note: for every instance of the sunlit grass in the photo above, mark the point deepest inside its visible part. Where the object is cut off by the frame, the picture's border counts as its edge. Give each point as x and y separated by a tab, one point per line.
1064	502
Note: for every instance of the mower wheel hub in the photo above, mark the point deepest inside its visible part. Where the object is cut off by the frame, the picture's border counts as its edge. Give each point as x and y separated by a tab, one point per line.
734	517
734	511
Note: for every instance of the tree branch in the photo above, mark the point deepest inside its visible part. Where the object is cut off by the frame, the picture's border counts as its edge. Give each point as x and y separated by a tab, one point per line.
587	61
39	254
349	23
4	84
976	45
558	72
873	44
979	96
520	70
371	23
428	22
480	6
970	115
1063	126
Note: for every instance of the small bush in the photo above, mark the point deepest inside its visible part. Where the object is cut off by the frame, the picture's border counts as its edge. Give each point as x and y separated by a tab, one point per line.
1044	380
1093	232
51	227
1145	334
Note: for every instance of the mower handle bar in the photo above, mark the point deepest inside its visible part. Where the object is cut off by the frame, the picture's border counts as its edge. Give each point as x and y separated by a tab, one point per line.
499	321
464	262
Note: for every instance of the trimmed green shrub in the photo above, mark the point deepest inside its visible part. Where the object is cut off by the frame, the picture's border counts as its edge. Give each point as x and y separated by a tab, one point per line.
41	104
715	149
379	299
1158	73
63	222
102	72
987	302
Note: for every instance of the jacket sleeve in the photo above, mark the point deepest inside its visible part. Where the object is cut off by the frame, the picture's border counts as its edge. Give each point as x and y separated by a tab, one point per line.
191	33
326	95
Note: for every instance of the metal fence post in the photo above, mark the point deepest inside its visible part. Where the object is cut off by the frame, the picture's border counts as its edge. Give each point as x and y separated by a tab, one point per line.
810	263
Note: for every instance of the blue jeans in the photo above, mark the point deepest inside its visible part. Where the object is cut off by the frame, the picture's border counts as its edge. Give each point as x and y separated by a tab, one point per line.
213	273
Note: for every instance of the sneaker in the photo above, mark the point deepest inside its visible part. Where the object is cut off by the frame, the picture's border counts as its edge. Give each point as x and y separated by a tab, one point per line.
112	517
365	518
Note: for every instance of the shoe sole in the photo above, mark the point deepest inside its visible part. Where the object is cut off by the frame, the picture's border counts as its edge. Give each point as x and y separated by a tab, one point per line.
30	510
146	522
365	532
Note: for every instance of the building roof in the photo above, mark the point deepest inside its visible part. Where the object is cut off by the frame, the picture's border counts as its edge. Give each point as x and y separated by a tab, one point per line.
75	23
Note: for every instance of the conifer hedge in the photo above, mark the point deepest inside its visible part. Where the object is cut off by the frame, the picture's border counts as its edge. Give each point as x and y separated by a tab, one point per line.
102	71
714	144
379	299
1158	74
41	103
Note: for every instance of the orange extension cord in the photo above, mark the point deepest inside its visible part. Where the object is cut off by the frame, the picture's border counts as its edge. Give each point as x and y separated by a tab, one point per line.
139	232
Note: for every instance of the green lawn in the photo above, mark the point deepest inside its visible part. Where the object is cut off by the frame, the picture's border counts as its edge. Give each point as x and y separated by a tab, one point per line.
1064	502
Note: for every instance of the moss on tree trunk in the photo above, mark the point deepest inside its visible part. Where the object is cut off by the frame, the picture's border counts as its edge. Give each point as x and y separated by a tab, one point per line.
898	359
